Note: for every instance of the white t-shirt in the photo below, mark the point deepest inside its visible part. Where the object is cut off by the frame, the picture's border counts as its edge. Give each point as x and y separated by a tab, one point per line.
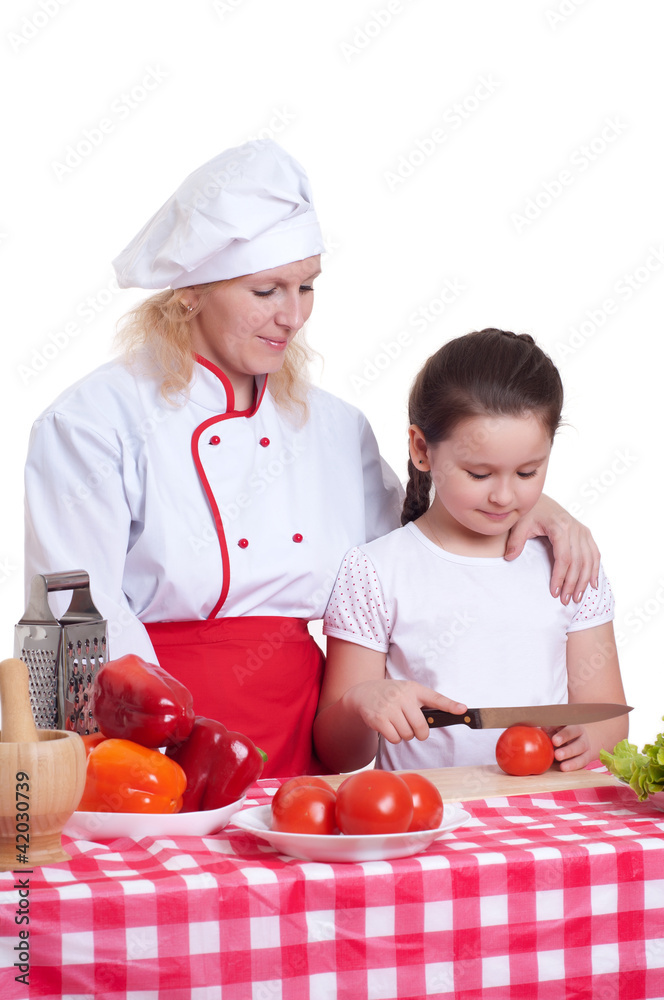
483	631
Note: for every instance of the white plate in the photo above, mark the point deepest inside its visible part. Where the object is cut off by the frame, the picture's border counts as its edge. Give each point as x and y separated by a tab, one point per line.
313	847
106	826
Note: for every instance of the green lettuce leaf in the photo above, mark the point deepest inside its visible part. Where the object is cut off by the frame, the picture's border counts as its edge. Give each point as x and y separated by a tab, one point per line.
643	772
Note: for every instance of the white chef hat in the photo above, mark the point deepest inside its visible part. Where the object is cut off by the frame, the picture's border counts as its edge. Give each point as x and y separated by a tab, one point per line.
246	210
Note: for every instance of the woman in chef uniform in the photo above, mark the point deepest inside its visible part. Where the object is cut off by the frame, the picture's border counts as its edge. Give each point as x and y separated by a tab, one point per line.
206	487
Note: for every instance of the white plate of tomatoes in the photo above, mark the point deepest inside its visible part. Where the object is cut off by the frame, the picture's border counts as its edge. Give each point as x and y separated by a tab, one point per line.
343	847
372	816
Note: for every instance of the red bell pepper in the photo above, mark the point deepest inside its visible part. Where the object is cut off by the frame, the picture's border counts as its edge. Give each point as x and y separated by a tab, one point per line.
219	765
139	701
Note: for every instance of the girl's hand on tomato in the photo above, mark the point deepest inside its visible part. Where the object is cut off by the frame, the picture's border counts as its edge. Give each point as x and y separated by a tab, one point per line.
394	708
572	747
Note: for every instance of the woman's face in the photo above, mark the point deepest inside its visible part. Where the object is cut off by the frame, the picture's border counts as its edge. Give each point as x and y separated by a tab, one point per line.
245	324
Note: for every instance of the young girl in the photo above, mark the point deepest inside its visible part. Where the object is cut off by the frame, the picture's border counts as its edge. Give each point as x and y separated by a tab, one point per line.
434	607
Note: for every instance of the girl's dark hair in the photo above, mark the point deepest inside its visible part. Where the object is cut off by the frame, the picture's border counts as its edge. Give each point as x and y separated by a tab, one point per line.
488	373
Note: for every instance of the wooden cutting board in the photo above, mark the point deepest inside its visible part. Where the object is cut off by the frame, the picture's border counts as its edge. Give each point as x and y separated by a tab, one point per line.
458	784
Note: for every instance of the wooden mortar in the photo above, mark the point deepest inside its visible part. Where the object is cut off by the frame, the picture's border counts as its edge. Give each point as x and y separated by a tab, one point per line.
43	769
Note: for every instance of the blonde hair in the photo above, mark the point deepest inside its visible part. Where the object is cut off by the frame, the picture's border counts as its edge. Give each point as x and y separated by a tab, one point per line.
155	337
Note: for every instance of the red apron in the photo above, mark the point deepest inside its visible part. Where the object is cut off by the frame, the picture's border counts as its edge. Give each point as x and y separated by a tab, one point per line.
260	676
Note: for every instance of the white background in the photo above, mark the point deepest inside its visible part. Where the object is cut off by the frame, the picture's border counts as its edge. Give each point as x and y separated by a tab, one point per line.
512	151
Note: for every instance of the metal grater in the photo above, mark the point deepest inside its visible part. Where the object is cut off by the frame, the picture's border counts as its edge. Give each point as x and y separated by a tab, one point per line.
63	655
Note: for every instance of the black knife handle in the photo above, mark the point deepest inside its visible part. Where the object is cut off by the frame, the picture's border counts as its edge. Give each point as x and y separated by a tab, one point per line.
435	718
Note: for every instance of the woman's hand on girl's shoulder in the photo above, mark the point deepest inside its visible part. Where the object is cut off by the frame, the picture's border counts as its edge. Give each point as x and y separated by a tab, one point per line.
576	556
393	708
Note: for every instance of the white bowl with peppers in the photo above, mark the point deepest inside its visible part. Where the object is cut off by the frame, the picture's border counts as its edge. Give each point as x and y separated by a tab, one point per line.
155	768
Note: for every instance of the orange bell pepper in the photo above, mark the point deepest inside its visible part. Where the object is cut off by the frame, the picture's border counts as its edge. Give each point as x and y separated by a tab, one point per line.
123	776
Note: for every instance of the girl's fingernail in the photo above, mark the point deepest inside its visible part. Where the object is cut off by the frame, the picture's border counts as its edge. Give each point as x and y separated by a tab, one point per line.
578	597
556	592
595	584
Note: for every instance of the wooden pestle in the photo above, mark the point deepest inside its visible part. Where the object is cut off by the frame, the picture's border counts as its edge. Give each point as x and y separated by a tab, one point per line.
18	725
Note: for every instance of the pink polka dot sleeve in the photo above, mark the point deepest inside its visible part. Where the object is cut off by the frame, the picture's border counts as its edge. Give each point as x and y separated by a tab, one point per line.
357	610
596	608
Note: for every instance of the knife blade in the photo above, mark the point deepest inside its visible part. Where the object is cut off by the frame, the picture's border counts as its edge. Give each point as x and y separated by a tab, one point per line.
526	715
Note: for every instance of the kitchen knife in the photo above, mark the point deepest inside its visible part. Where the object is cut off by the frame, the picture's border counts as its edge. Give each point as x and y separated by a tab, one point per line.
526	715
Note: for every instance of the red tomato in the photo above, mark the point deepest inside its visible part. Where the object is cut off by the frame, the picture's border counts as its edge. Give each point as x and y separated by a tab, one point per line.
305	779
374	802
427	802
305	809
524	750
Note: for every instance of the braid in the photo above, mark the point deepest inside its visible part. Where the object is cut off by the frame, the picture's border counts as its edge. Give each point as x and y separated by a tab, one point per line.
418	494
514	336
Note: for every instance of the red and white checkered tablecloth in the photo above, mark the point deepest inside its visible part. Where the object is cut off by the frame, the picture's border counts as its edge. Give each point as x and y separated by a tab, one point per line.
540	897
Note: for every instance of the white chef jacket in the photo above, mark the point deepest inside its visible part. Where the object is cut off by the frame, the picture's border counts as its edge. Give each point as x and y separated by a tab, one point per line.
198	511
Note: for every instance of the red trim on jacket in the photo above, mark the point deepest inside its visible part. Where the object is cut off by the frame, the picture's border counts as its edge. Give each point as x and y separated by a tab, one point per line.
230	413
